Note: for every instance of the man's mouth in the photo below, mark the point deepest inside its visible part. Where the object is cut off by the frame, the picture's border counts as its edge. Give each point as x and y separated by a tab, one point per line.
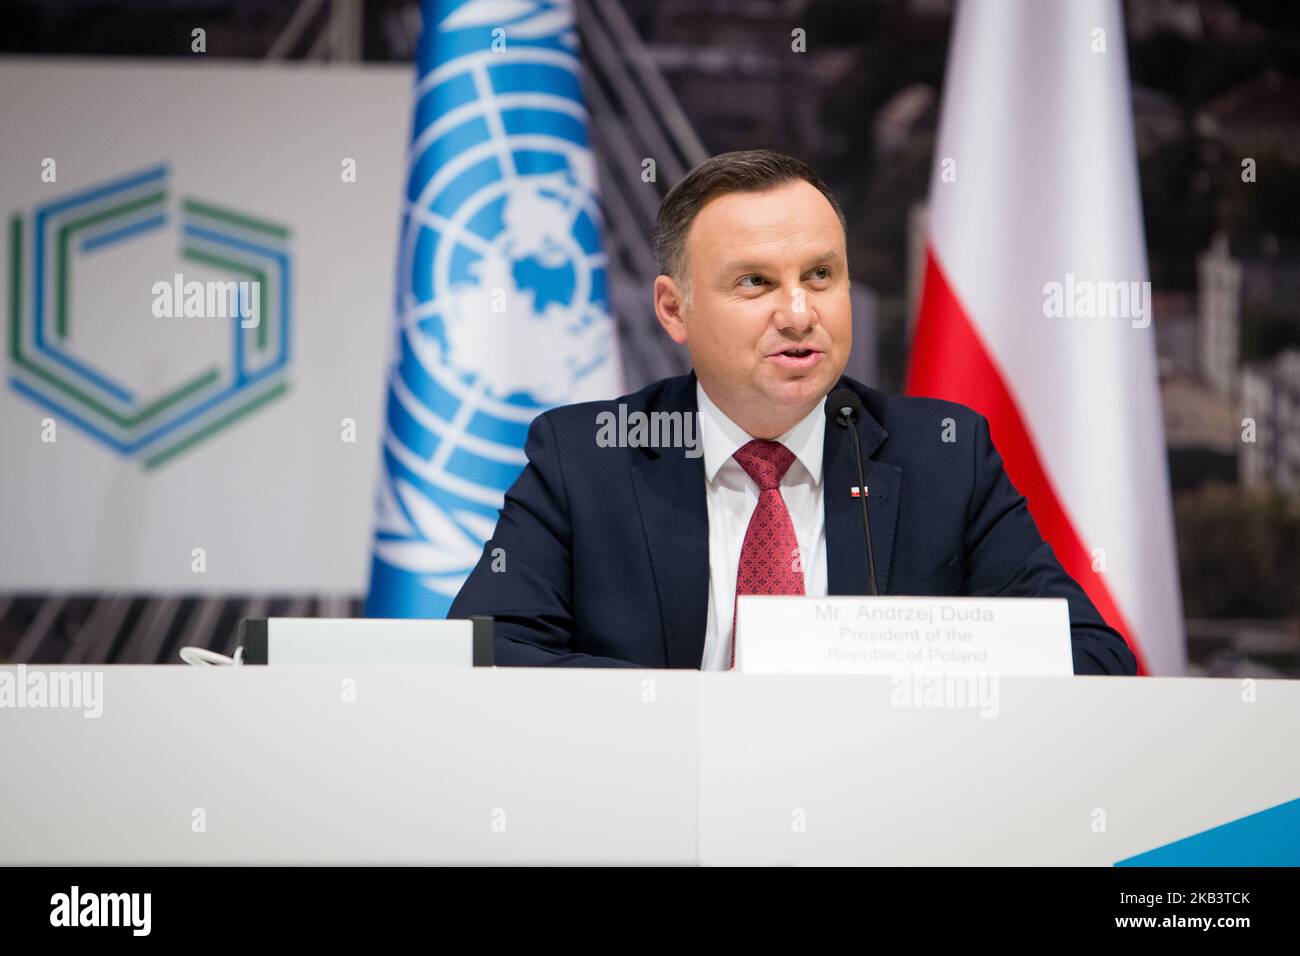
797	358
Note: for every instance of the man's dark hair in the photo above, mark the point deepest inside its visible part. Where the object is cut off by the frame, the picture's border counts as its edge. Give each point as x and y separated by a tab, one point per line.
748	170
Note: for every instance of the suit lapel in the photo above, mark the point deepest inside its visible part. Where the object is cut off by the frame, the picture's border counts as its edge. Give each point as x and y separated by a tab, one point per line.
846	548
670	493
674	514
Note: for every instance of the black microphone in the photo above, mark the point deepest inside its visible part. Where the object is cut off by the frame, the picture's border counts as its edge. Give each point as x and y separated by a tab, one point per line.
845	408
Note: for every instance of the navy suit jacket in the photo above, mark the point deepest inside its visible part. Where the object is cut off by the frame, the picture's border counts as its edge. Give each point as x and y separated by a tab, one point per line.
604	552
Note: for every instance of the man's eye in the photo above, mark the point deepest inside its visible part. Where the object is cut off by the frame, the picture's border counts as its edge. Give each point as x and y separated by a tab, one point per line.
744	281
822	272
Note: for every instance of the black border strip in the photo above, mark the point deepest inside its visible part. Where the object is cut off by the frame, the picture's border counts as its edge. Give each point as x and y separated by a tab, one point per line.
484	647
253	638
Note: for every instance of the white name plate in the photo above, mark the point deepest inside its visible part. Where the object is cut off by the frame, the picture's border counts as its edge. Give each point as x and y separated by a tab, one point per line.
851	634
370	642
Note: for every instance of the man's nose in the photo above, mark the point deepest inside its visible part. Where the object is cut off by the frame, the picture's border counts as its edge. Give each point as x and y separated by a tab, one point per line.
795	311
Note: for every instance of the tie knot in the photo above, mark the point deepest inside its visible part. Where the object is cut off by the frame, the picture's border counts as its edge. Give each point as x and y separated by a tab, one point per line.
765	461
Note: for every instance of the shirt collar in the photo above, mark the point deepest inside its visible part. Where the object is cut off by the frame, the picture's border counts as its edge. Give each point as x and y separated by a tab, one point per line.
721	437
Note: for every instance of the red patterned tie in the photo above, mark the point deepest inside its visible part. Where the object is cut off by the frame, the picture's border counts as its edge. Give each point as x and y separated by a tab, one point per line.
768	558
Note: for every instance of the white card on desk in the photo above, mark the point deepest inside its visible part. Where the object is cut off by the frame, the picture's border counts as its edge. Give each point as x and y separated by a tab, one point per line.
853	634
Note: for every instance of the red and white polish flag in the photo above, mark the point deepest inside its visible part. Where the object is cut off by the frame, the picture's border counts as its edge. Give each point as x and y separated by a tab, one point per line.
1034	220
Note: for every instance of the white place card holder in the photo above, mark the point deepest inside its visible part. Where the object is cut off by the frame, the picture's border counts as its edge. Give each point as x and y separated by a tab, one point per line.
375	642
853	634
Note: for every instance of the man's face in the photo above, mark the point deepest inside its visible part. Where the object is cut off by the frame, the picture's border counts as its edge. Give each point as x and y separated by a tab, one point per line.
768	325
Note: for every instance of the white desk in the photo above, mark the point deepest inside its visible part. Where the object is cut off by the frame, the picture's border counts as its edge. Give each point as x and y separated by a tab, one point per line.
427	766
1162	758
570	766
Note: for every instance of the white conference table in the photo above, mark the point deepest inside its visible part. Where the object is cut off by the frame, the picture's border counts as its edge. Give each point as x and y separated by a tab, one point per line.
511	765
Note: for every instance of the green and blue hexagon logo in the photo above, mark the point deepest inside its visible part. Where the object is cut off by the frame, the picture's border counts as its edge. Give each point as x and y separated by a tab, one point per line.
57	270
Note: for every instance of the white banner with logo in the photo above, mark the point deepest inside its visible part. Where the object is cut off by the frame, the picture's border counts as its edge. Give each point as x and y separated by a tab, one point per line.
198	285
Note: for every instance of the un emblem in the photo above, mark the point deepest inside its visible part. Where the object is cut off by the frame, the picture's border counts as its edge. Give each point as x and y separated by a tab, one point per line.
502	289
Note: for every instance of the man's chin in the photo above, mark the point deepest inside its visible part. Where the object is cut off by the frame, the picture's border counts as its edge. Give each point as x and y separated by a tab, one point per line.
794	391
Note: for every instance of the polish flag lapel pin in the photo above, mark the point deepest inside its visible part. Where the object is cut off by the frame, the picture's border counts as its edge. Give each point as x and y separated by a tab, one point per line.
858	492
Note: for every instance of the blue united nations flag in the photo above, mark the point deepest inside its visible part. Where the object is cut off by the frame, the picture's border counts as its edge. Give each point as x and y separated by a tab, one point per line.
501	287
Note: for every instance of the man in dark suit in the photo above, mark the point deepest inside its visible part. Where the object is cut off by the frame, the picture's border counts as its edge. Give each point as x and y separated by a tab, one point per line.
638	520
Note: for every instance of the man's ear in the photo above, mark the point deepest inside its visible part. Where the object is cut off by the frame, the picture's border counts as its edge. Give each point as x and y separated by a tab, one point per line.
668	308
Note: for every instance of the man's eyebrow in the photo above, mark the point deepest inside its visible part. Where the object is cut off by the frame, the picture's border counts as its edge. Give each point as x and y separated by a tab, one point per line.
753	265
829	255
745	265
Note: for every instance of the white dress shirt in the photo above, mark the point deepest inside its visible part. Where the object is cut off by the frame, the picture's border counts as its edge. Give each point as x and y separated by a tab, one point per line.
732	497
